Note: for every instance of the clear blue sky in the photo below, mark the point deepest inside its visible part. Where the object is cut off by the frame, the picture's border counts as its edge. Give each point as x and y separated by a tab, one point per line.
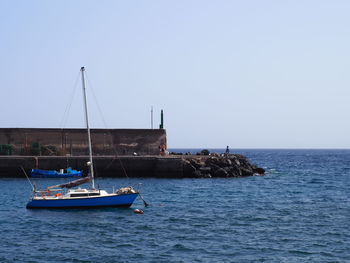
249	74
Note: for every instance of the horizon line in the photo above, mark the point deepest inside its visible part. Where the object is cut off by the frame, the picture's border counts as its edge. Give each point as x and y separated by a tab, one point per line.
252	148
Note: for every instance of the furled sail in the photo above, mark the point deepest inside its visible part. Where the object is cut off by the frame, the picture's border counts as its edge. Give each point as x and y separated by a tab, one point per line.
72	183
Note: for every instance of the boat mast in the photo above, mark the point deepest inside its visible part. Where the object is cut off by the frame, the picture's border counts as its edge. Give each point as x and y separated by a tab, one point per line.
91	166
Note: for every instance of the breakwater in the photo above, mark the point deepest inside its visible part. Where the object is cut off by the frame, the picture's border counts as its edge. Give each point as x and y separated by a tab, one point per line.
171	166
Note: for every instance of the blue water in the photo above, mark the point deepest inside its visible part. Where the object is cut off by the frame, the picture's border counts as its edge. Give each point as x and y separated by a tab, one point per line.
298	212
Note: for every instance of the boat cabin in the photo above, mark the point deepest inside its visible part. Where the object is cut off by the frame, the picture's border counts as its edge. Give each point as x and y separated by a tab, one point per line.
85	192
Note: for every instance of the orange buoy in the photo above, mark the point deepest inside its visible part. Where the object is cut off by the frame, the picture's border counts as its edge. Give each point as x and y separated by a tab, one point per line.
138	211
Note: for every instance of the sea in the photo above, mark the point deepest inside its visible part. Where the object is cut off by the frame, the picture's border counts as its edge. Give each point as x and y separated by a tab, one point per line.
298	212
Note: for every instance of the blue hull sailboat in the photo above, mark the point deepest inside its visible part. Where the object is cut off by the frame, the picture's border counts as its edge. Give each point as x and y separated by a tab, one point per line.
54	197
83	198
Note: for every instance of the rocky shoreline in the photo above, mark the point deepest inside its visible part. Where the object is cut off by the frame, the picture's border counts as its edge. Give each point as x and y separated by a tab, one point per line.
220	166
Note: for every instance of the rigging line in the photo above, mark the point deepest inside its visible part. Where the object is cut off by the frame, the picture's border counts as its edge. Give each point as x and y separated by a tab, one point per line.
120	161
121	164
27	178
116	157
106	127
96	101
69	104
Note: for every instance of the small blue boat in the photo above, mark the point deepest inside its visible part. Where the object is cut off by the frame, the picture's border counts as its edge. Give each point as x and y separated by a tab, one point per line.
63	173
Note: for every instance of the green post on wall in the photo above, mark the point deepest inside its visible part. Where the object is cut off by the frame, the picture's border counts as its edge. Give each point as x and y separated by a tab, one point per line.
161	126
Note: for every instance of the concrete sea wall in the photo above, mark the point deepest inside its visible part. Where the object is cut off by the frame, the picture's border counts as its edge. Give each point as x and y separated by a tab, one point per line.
73	142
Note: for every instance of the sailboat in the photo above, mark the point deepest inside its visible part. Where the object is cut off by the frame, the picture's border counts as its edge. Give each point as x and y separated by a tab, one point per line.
53	196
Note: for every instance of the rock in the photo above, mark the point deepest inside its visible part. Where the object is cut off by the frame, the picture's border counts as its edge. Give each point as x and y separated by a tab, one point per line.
235	171
188	169
214	167
204	152
221	173
205	170
247	172
259	170
197	174
195	163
